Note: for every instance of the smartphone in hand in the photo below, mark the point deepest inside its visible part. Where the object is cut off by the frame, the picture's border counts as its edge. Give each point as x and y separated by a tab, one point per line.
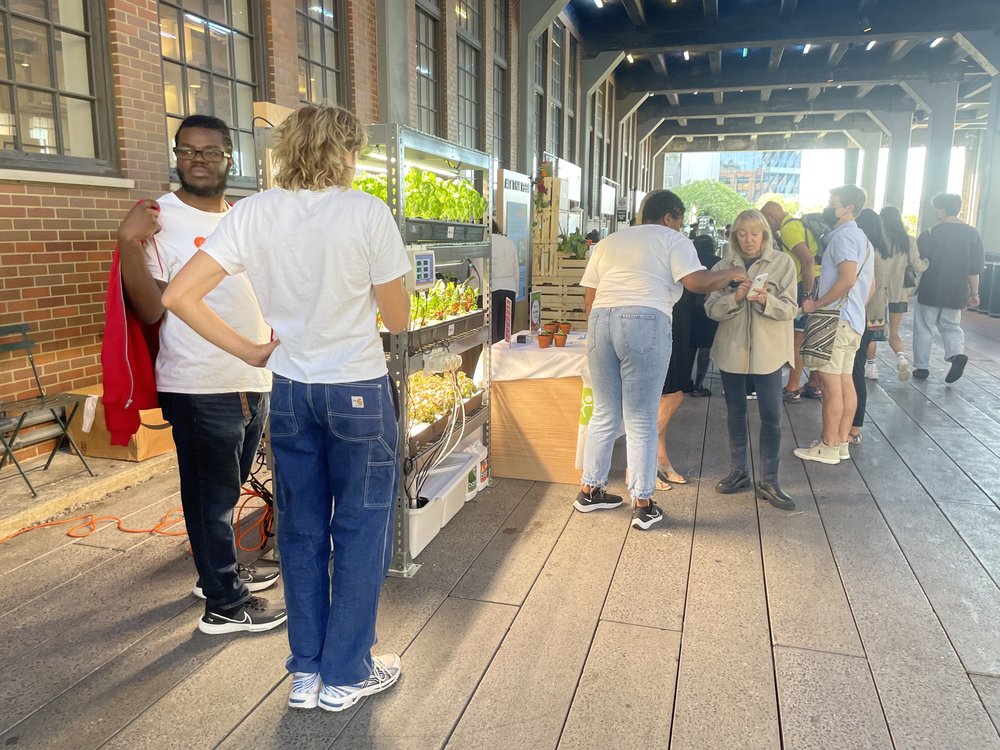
757	287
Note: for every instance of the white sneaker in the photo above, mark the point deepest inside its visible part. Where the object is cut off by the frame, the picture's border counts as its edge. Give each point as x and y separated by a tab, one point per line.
385	672
820	451
903	367
845	451
305	690
871	371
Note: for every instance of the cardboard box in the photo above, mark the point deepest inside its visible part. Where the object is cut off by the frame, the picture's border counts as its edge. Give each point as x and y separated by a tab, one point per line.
97	443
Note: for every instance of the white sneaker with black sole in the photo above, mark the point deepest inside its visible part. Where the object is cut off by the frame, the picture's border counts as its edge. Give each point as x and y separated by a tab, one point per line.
645	516
385	672
903	367
305	690
254	616
598	499
253	579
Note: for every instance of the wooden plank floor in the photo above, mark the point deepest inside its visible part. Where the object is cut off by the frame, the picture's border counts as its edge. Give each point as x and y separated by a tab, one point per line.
867	618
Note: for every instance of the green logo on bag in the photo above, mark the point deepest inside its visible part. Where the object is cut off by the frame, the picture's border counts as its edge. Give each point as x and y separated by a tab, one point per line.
586	406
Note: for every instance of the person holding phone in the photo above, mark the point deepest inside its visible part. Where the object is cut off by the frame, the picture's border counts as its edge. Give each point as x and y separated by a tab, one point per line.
754	341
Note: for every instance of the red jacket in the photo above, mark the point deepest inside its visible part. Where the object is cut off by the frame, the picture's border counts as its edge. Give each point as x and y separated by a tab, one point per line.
128	360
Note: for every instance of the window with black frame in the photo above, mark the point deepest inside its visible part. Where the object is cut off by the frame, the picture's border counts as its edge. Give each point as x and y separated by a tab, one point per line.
500	124
469	47
54	102
321	52
208	69
428	74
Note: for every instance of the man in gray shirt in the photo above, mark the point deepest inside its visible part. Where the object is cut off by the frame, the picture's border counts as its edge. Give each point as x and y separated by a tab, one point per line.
846	280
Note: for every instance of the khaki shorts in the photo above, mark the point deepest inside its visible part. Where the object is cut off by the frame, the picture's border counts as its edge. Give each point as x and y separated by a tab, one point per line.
845	346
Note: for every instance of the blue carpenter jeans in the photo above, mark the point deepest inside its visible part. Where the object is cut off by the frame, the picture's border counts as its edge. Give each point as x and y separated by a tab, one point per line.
628	350
217	436
336	479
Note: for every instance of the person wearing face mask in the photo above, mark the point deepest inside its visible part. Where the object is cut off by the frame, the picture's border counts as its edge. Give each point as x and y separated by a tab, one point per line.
845	283
754	340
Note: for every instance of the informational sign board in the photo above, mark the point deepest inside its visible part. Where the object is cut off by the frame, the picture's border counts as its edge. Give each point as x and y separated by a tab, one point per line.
572	177
608	199
535	312
513	215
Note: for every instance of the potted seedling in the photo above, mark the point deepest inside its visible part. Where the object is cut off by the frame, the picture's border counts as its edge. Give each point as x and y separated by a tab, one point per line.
544	340
559	339
565	326
551	327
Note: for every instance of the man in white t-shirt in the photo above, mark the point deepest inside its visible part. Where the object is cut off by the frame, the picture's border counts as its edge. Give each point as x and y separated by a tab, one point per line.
505	278
216	403
632	281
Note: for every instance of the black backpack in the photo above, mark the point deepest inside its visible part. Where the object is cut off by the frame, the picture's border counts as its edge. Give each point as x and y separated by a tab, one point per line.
819	229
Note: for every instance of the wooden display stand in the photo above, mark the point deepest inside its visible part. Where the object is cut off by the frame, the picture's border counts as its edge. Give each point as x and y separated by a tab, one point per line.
562	295
534	429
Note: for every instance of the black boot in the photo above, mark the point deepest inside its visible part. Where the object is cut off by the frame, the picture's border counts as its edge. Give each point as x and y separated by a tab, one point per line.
734	481
775	495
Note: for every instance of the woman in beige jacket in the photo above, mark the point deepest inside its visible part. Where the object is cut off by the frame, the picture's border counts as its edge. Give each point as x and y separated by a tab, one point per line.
754	342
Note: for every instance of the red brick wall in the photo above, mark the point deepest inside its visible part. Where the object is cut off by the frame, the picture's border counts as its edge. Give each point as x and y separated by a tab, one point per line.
362	56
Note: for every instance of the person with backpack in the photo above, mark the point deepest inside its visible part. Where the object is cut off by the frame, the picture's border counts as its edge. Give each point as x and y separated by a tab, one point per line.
802	243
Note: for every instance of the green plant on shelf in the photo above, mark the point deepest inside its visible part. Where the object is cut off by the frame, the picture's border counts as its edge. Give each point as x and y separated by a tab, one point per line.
433	396
443	301
574	245
427	196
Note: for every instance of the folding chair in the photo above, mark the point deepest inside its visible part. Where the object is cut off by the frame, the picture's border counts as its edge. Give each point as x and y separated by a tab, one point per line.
15	415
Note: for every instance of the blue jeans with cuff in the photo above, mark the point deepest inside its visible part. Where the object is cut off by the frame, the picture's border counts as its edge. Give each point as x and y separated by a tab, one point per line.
217	436
336	481
628	350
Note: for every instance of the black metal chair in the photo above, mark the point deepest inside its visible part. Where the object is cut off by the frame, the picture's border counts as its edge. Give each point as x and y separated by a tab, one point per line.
16	415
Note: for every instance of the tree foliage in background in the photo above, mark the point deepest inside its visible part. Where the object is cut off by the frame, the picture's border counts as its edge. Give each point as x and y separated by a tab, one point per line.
713	198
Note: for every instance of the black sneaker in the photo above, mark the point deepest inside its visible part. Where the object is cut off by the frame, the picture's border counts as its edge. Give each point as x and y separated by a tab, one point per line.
645	516
598	499
253	616
921	374
958	363
253	579
700	391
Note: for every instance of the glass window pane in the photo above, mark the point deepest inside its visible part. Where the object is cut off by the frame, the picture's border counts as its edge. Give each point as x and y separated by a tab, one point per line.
217	11
4	72
303	80
332	87
31	53
316	42
173	86
244	159
315	88
7	129
303	34
37	122
30	7
195	43
77	127
244	54
199	99
71	63
223	99
198	6
69	13
244	105
241	15
169	43
219	39
331	59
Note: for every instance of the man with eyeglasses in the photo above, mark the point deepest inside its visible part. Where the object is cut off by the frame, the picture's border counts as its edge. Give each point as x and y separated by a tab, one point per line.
216	403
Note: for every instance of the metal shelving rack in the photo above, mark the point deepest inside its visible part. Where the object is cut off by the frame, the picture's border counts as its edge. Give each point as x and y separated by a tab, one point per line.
394	148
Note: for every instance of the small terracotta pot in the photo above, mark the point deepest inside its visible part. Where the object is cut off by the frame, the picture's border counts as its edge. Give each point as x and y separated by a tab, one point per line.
565	327
560	339
550	327
545	340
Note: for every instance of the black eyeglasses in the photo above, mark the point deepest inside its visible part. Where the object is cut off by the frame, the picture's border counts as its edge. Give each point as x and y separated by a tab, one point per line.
212	155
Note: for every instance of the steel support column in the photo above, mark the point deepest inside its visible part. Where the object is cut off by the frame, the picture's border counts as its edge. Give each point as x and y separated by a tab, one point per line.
898	125
940	100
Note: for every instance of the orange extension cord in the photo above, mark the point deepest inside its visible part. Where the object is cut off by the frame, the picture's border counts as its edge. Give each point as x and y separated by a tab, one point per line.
87	524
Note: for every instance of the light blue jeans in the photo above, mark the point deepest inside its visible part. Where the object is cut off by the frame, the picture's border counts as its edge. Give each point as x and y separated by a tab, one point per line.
628	349
948	322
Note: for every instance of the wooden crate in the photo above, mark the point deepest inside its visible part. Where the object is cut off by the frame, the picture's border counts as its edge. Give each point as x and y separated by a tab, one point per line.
562	295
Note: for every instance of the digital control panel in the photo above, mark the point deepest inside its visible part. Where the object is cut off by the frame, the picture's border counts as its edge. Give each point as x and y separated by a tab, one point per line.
422	275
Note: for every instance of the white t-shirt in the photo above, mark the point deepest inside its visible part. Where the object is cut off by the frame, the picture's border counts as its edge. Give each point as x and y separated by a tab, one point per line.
641	266
313	258
187	363
505	266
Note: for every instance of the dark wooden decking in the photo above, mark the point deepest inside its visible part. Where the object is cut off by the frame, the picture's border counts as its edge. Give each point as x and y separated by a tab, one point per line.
869	617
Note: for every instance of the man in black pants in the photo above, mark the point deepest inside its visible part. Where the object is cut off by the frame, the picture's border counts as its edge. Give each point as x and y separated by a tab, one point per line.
216	404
